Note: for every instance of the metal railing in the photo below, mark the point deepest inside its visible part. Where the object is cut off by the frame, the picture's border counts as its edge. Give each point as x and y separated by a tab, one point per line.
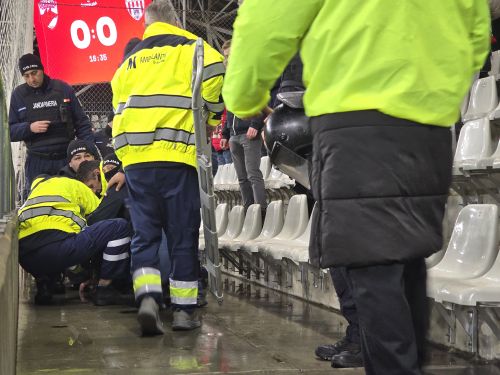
9	266
7	180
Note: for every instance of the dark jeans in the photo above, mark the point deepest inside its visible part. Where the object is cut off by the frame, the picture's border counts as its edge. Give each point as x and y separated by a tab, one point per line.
393	316
346	300
246	159
224	157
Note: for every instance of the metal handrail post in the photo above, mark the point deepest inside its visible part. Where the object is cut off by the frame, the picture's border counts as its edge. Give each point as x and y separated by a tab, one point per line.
7	184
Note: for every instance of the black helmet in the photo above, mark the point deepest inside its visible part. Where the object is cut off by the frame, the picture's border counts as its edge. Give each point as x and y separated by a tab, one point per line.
288	138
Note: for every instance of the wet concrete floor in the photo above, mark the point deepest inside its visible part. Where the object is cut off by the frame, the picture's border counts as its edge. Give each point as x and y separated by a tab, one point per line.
255	331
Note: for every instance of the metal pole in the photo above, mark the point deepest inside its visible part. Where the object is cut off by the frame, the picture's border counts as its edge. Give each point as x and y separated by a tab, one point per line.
184	14
205	176
6	168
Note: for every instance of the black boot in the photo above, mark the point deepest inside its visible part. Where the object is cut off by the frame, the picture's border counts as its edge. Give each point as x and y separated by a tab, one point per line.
43	293
348	359
327	351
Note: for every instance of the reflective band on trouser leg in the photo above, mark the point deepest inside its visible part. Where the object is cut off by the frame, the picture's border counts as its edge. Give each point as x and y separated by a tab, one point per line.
147	280
183	292
116	259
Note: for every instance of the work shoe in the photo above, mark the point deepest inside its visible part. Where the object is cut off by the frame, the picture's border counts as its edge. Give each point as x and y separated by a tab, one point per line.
43	293
185	321
327	351
149	318
348	359
106	295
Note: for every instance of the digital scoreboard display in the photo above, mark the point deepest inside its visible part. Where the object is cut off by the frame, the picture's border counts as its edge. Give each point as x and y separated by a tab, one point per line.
82	41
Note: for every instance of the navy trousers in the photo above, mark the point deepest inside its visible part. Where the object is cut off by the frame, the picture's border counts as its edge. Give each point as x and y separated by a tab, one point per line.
346	300
165	198
111	238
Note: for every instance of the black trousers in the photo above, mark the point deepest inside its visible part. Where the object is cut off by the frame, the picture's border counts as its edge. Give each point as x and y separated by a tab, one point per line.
393	316
346	300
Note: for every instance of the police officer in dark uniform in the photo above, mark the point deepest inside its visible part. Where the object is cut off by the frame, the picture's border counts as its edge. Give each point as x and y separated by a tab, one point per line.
46	115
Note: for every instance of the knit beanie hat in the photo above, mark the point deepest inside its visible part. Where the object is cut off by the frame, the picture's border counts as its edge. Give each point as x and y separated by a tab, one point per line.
77	145
29	62
111	159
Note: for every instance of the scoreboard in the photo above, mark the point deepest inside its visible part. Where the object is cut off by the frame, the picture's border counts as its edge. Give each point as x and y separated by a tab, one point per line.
82	41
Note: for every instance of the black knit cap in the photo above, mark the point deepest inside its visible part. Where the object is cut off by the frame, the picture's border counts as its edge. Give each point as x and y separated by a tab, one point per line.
111	159
29	62
77	145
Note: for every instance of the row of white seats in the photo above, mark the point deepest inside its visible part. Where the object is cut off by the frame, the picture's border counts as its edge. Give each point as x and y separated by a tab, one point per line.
280	236
482	101
226	178
466	273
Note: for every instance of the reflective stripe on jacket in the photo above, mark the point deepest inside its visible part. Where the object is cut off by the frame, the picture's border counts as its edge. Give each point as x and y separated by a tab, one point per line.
152	97
58	203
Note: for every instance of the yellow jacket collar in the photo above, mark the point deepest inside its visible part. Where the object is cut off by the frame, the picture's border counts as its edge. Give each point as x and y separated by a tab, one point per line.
159	28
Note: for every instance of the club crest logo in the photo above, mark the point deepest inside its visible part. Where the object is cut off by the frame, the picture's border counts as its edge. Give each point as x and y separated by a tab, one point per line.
135	8
48	13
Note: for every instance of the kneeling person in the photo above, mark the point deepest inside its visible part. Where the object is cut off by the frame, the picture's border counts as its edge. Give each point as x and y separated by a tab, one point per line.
53	235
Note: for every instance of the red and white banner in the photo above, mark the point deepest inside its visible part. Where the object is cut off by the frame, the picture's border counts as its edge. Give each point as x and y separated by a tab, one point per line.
82	41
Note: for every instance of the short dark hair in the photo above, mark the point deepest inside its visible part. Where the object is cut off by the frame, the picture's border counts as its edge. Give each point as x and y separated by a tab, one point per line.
227	44
85	170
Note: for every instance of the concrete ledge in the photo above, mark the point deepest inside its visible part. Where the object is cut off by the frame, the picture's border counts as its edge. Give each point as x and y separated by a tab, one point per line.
9	294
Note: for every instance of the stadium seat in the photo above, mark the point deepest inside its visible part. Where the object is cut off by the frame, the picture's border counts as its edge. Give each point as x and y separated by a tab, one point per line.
221	218
265	166
471	292
295	223
474	144
278	180
217	177
435	258
232	178
296	250
483	99
273	224
472	248
252	227
495	65
234	225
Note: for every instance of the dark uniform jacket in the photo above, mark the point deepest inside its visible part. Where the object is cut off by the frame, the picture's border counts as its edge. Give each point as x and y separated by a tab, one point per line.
103	141
55	101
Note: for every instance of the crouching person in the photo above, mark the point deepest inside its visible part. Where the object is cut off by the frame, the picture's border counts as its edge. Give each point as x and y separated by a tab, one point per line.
53	235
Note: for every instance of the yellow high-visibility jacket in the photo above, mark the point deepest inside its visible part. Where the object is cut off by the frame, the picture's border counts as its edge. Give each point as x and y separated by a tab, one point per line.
59	203
408	59
152	97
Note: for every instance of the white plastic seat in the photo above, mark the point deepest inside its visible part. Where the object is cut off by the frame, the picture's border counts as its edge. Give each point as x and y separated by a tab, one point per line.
265	166
483	99
471	250
224	177
232	178
217	177
221	218
234	225
435	258
471	292
296	219
495	65
296	250
252	227
273	224
278	180
474	144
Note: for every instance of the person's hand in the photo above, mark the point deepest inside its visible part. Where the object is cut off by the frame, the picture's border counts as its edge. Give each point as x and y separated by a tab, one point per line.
224	144
118	180
39	126
82	290
251	133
